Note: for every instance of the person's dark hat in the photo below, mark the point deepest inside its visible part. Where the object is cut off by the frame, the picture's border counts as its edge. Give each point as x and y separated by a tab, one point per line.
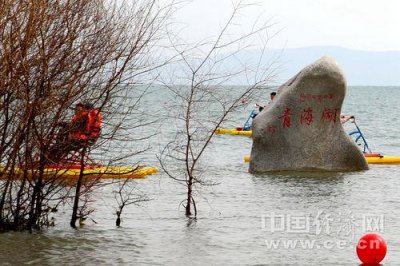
85	105
88	105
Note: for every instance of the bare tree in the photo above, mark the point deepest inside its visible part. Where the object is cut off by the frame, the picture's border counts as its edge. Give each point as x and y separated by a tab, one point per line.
127	194
54	54
204	102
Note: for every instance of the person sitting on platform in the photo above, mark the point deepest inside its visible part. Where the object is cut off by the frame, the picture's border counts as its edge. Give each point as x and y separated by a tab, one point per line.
272	96
253	114
345	118
82	132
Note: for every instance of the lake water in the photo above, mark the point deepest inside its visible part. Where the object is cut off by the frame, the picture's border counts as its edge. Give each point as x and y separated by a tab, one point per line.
290	219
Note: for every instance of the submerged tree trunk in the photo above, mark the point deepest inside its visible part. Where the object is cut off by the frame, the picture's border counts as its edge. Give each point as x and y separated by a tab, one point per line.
189	196
36	202
75	207
118	220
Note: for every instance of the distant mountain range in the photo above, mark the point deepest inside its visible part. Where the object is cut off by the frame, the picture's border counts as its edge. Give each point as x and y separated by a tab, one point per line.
361	67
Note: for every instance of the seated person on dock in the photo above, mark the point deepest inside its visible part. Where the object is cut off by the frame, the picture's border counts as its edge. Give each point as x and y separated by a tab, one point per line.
345	118
253	114
82	132
272	96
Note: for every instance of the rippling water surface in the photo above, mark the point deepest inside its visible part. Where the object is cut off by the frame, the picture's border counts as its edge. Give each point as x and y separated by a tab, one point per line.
329	211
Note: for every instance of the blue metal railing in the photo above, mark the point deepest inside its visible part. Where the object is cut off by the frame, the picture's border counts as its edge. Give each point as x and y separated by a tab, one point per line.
247	124
360	136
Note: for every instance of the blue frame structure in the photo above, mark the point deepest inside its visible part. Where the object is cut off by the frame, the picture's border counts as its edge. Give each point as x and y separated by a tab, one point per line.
360	136
247	124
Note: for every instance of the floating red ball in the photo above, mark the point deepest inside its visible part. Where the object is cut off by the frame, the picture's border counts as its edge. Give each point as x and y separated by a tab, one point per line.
371	249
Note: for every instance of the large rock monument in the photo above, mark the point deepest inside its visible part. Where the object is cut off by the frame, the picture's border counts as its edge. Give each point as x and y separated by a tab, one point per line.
300	129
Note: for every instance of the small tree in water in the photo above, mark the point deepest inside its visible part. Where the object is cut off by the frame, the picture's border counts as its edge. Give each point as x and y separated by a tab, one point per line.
127	194
203	103
54	54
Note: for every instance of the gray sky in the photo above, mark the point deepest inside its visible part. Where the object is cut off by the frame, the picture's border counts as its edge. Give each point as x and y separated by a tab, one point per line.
355	24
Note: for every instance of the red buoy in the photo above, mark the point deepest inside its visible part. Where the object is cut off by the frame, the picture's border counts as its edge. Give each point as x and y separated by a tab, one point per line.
371	249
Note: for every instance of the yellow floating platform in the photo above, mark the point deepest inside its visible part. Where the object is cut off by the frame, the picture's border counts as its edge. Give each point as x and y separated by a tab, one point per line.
110	172
233	131
370	160
113	172
383	160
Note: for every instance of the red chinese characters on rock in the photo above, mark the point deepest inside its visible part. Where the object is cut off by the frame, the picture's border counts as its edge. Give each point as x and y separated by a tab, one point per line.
286	118
330	115
272	129
316	97
307	116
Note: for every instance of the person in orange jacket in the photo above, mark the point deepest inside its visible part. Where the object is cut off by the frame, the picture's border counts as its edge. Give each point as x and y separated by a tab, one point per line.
85	126
82	132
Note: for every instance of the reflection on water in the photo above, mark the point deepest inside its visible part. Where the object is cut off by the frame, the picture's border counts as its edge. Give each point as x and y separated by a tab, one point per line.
329	210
